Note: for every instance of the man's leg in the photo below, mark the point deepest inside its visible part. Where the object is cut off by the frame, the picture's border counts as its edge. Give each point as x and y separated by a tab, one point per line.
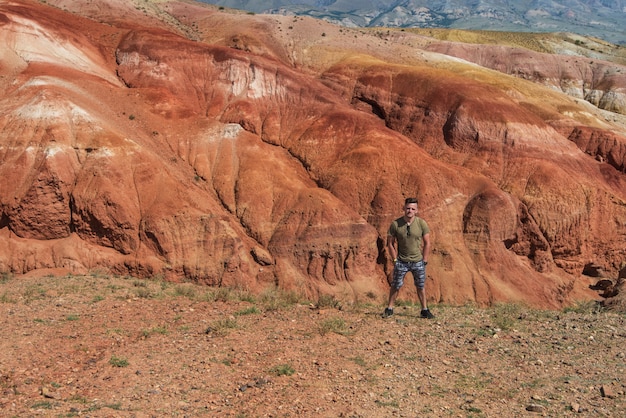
419	275
399	271
421	294
393	294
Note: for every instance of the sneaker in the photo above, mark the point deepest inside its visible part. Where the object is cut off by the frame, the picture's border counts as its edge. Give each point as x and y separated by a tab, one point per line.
427	314
388	312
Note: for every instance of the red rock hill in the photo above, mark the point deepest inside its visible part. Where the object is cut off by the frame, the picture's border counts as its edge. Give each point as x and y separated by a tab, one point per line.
176	139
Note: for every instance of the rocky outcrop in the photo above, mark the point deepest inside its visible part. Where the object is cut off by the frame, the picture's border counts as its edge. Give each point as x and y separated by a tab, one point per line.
600	83
605	146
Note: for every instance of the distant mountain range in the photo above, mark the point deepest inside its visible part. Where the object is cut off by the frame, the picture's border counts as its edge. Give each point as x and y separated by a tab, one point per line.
605	19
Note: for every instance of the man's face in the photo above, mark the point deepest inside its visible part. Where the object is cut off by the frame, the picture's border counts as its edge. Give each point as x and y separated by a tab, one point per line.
410	210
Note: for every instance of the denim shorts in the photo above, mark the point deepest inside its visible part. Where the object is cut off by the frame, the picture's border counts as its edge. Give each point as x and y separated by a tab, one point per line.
417	269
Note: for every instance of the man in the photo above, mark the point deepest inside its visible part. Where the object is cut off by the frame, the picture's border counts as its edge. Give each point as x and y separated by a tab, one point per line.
408	243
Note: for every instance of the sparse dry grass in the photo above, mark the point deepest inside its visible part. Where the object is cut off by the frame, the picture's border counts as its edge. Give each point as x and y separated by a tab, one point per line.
200	351
531	41
549	43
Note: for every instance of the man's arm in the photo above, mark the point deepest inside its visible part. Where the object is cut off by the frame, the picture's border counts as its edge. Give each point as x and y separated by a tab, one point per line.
391	247
427	247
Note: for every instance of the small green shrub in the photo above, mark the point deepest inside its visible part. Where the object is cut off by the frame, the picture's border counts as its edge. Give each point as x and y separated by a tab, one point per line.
118	361
185	290
248	311
143	293
5	276
282	370
245	296
222	294
78	399
115	406
506	315
222	326
118	331
6	298
154	330
359	361
274	299
335	324
34	292
328	301
584	307
41	405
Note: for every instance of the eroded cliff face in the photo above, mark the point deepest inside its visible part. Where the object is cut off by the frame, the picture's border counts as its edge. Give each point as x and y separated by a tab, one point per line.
191	148
599	82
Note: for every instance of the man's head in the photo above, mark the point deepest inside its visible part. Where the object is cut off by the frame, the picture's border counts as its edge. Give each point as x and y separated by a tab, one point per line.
410	207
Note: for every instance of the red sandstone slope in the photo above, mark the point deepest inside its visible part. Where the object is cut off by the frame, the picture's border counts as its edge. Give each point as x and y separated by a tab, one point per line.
175	139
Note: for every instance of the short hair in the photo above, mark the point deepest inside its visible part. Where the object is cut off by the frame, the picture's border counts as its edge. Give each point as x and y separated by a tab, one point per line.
410	200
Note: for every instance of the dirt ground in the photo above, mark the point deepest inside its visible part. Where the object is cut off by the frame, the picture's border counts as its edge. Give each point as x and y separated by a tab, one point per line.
98	346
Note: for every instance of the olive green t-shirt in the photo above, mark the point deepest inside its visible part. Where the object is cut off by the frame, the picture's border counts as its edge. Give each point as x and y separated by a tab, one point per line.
409	246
